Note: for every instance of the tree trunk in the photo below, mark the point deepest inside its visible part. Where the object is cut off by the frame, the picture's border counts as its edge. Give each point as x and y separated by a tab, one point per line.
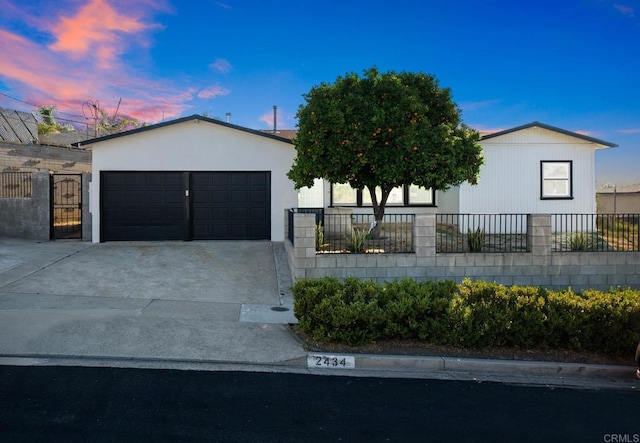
378	208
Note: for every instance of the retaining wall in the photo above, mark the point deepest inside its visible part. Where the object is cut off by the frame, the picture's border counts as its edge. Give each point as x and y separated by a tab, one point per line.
539	267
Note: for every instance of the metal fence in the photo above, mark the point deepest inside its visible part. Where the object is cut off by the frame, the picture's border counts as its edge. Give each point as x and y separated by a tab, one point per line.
16	184
291	226
481	232
357	233
595	232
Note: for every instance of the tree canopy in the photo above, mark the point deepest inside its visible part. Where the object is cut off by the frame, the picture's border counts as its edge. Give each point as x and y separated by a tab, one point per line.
384	130
49	123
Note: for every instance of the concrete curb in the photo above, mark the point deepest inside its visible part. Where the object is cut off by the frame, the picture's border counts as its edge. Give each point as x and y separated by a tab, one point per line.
385	366
525	373
492	366
386	363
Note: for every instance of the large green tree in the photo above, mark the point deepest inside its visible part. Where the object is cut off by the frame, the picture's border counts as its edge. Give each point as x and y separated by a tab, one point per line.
384	130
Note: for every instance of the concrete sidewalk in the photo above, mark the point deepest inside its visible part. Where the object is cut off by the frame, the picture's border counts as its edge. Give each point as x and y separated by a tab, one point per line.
198	305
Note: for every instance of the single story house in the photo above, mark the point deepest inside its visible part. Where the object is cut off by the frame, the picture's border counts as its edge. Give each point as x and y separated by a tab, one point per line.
199	178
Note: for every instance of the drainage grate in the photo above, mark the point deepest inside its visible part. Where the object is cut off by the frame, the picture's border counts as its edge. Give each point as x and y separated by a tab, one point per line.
279	309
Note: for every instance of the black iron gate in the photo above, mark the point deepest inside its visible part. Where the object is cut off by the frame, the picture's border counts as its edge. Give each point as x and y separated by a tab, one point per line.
66	206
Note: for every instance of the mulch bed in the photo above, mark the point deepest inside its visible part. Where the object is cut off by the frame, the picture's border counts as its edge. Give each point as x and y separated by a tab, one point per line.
417	348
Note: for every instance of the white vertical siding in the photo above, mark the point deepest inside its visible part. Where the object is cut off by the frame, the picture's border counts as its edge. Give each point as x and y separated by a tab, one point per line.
510	178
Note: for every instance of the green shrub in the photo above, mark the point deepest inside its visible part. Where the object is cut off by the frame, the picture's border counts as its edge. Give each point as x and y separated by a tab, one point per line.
489	314
355	240
319	236
307	295
475	240
582	241
417	309
470	314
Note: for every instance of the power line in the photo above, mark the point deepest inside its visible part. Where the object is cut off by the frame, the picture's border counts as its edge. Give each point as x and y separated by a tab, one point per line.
57	119
36	106
17	99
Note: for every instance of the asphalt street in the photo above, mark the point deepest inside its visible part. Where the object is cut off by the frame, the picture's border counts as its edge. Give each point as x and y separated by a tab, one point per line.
108	404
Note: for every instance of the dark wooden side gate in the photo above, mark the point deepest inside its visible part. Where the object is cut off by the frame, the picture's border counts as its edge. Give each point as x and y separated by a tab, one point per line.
66	206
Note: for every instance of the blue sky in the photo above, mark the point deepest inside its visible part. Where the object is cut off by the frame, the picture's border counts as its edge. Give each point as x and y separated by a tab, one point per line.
574	64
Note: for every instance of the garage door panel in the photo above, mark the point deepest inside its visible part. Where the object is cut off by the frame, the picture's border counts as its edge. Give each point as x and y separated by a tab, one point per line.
175	195
259	214
239	214
258	196
229	200
141	205
239	197
259	180
220	214
239	179
219	198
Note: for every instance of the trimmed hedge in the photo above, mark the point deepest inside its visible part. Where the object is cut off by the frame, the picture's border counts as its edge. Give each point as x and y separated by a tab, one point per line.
470	314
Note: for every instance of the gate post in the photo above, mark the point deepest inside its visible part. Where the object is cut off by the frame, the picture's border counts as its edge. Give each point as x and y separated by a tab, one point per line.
86	213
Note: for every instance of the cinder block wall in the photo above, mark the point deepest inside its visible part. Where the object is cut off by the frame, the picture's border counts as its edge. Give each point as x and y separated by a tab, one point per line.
539	267
38	158
28	217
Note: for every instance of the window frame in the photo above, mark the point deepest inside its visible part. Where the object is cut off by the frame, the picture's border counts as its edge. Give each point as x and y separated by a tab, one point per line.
405	200
358	201
569	180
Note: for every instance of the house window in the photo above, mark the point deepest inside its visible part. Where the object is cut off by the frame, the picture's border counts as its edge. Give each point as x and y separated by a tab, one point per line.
345	195
556	179
312	197
395	197
420	196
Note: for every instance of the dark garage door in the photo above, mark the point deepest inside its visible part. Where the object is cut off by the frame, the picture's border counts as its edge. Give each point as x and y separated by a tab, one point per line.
157	206
231	205
142	206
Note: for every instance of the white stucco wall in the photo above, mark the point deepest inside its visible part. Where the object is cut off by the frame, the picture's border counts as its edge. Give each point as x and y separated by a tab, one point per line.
510	177
197	145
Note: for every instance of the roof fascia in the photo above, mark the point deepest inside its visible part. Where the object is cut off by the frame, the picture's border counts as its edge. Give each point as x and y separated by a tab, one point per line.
550	128
183	120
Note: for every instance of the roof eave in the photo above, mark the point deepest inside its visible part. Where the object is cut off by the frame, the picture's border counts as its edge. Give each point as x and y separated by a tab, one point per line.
183	120
604	144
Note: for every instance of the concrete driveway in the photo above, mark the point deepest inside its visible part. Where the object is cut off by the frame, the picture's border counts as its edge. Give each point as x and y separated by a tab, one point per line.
233	272
195	301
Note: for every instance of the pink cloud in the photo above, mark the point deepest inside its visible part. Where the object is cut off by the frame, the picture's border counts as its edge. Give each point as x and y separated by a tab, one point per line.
625	10
212	92
28	63
588	133
283	120
474	106
97	31
146	110
484	130
221	65
84	61
629	131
